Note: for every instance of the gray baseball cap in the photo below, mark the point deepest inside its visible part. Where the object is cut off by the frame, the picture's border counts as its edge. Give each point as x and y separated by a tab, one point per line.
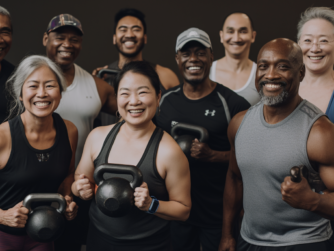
193	34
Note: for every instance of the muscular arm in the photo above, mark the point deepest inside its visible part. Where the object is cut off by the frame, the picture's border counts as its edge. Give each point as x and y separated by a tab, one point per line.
203	152
65	187
107	96
177	181
167	77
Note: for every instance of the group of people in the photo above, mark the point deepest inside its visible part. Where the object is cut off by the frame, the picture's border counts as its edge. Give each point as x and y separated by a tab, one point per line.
234	191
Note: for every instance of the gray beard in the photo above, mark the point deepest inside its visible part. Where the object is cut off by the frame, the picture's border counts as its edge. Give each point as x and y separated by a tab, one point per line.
275	100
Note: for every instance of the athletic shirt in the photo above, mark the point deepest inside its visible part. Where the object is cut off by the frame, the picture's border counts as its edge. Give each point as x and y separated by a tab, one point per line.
248	91
214	113
5	72
136	224
265	154
80	104
330	109
30	170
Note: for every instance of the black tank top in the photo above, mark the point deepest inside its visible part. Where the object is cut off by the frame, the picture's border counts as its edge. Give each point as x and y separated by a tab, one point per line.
137	224
30	170
114	66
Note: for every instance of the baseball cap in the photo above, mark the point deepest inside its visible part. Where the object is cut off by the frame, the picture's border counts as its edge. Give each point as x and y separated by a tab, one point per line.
193	34
64	20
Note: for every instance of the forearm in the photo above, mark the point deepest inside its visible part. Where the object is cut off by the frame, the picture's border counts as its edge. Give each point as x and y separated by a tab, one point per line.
1	216
76	192
220	156
232	202
173	210
324	205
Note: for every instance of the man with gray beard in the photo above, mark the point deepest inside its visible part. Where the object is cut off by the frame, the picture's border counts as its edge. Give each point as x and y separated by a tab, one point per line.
281	132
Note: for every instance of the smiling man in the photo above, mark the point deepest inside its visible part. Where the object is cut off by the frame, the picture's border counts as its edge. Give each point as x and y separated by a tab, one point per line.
236	71
84	98
201	102
280	132
6	68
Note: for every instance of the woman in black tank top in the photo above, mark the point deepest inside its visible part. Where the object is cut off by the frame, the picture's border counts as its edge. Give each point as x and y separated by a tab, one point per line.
36	150
136	141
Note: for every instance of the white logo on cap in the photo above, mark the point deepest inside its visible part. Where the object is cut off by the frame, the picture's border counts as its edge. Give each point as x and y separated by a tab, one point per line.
193	34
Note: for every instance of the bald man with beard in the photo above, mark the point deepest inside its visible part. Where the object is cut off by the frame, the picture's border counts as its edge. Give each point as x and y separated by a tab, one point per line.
280	132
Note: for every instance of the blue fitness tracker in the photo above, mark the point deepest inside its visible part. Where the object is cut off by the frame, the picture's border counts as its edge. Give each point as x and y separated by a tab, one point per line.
154	205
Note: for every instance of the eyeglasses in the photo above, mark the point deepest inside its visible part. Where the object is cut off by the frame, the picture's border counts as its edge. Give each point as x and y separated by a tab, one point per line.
320	44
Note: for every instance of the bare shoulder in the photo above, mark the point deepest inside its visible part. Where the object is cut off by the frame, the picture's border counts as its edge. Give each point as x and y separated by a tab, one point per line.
5	136
71	128
167	77
235	124
103	87
96	139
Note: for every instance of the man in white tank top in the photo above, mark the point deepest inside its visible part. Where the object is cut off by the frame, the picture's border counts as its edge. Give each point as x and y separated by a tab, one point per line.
84	98
236	71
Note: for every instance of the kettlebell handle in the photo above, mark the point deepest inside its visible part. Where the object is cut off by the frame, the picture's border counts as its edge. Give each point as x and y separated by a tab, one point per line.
108	71
45	197
204	135
119	169
298	172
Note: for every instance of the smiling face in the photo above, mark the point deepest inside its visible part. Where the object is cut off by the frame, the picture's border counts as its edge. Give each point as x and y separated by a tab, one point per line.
129	37
63	46
41	93
194	61
5	36
237	34
137	99
317	43
279	71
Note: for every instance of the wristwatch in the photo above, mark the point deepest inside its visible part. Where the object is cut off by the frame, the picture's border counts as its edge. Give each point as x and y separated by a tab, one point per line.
154	206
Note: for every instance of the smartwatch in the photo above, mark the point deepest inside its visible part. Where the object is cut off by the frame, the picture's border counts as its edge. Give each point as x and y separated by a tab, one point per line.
154	206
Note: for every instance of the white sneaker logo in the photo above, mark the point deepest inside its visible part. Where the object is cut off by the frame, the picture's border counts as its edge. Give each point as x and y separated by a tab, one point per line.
207	112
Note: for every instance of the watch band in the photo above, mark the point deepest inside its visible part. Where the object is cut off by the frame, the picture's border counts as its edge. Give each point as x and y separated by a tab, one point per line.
154	205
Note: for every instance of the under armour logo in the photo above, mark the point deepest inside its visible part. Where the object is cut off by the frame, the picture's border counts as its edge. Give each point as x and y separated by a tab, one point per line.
207	112
174	123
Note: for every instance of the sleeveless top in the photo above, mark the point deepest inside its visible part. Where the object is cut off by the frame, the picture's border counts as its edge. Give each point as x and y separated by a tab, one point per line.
136	224
80	104
330	109
248	91
30	170
265	154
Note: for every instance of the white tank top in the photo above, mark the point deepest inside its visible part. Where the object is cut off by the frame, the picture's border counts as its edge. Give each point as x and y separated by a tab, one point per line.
80	104
248	91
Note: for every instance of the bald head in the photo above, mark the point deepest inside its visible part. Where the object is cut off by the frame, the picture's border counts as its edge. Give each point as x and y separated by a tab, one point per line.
285	46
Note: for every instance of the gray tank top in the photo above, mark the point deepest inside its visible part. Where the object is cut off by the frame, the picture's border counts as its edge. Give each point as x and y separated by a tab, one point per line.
265	154
137	224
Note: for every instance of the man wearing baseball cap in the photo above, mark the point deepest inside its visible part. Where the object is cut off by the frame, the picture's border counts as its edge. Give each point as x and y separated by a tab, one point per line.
84	98
201	102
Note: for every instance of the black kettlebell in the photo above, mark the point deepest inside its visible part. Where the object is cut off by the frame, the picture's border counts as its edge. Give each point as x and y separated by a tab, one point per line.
114	196
45	223
185	140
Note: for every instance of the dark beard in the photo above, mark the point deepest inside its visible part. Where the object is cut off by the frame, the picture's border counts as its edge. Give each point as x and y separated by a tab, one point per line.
134	54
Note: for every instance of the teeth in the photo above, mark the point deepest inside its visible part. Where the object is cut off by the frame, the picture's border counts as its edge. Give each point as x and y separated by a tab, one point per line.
316	58
136	111
40	104
273	86
64	53
129	43
194	68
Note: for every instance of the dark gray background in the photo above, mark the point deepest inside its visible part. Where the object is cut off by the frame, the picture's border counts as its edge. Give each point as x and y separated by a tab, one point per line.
165	20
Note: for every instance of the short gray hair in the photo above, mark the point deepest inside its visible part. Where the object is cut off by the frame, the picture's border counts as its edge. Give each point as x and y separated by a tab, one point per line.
23	71
324	13
5	12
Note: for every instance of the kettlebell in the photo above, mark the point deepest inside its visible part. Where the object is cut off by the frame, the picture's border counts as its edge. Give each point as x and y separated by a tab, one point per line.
114	196
45	223
185	140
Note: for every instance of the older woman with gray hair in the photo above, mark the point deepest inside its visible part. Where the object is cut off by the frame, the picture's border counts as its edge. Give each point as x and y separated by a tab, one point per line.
36	149
316	38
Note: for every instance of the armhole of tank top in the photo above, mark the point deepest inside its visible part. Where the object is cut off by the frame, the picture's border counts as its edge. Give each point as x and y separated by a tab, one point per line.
310	167
212	75
330	103
155	168
116	127
62	126
12	150
242	122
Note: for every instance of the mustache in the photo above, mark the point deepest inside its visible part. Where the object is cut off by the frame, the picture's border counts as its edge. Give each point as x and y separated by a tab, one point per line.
264	82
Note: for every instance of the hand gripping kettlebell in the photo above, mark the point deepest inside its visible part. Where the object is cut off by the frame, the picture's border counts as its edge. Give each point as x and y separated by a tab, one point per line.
45	223
114	196
185	140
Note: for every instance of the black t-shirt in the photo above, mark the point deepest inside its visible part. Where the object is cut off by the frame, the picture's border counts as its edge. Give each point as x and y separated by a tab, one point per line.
5	72
212	112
